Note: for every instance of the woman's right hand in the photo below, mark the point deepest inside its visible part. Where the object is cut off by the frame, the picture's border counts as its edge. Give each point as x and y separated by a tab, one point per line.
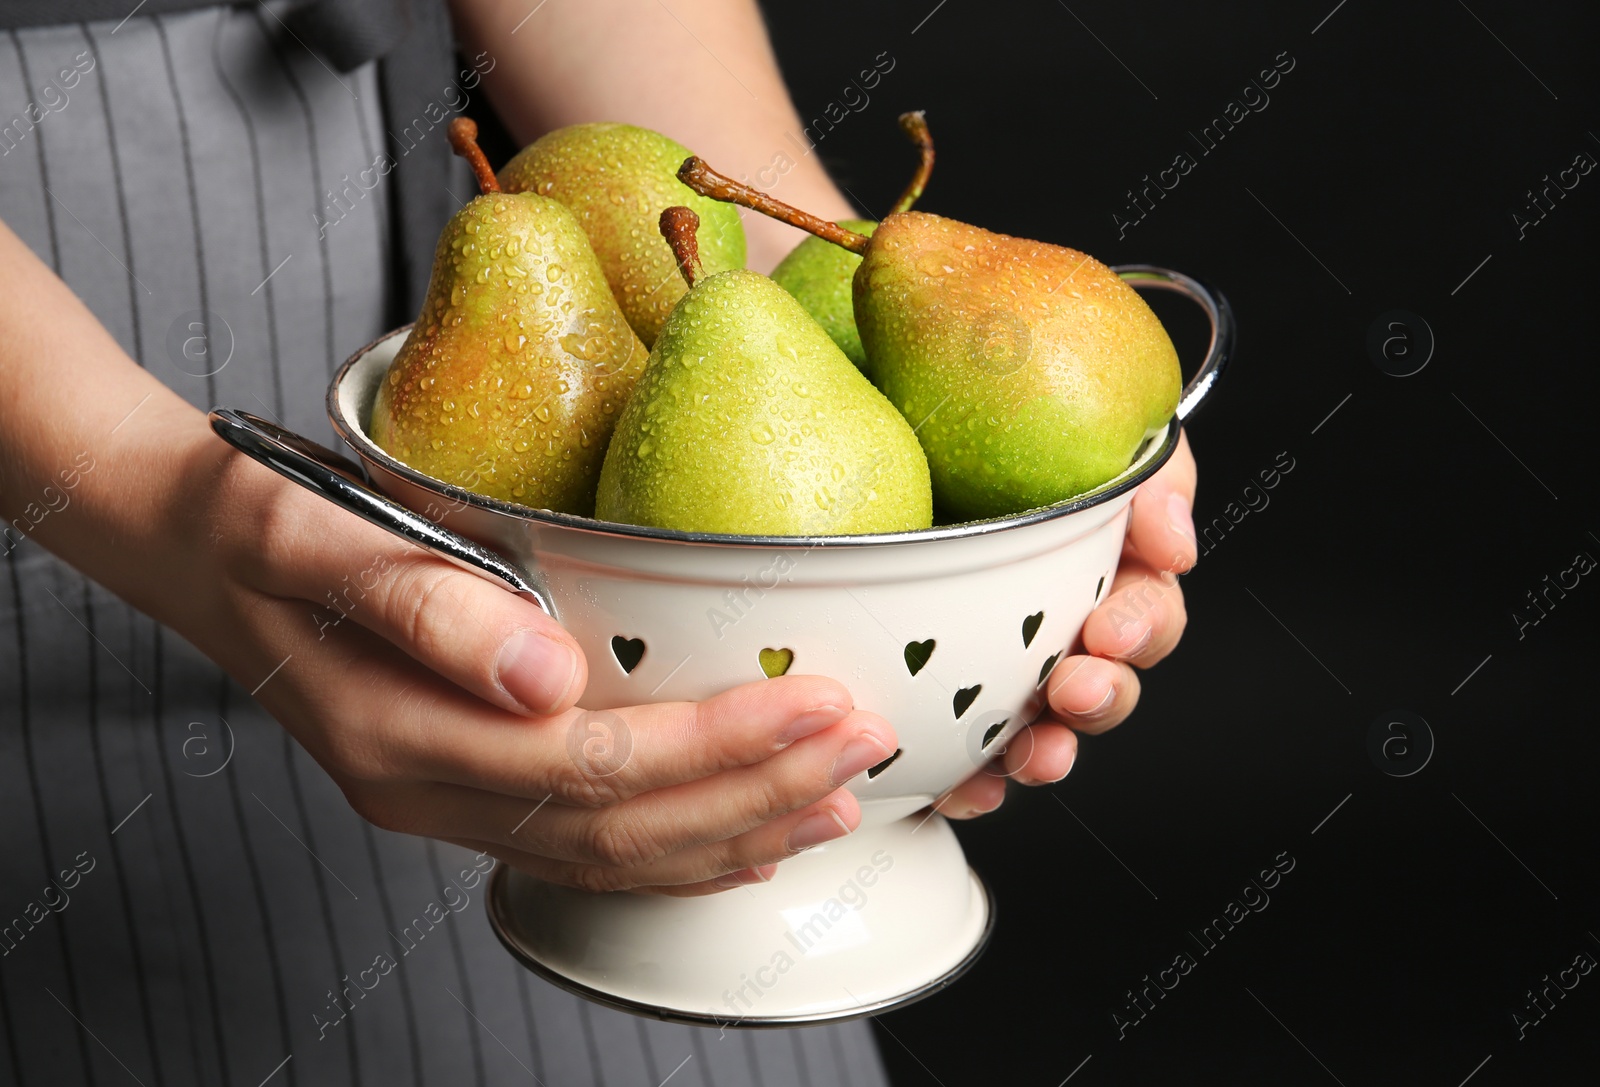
443	705
481	745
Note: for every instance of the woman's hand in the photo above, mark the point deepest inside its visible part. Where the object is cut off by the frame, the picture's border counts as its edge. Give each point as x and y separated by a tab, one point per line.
1137	624
442	706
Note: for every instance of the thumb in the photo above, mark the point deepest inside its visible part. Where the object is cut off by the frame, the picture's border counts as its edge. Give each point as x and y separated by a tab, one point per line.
500	646
496	644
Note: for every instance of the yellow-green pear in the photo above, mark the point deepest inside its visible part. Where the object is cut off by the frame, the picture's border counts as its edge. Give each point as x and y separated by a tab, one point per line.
748	419
618	179
520	362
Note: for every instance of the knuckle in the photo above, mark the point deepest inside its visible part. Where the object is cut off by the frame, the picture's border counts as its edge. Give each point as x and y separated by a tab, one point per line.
769	799
425	612
576	786
353	746
618	841
596	879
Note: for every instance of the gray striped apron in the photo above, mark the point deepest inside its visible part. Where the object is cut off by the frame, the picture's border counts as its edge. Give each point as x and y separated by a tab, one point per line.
182	890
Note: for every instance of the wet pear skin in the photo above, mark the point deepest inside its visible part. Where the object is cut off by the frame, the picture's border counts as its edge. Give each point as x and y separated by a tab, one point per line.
1031	371
748	419
519	364
818	274
617	179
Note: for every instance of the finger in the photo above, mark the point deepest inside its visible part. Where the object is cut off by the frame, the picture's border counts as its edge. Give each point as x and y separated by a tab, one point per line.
1042	753
501	647
1161	525
979	794
531	864
1141	618
597	758
837	816
1092	694
643	829
727	806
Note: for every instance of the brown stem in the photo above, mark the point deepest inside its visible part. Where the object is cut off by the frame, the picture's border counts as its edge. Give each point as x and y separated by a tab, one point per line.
464	142
707	182
915	125
678	226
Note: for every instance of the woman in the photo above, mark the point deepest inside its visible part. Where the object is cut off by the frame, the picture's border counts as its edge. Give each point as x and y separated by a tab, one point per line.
191	216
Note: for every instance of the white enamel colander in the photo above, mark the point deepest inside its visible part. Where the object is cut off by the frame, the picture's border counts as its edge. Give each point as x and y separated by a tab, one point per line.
948	632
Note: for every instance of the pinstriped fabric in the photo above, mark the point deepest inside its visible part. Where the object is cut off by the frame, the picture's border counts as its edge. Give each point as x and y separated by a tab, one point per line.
224	888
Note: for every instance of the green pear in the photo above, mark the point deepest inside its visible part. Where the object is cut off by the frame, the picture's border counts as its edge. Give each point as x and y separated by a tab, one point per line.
819	274
520	362
748	419
1032	372
618	179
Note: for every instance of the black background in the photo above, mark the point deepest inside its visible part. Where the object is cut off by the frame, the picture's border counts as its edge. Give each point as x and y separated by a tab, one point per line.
1395	551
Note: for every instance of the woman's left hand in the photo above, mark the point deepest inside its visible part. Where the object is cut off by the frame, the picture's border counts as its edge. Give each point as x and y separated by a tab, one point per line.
1137	624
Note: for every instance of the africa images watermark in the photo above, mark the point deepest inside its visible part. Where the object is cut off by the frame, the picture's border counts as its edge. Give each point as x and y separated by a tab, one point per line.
342	603
804	936
1551	593
54	97
853	99
1540	202
348	994
53	899
52	499
1540	1001
1252	499
1143	999
341	200
1252	99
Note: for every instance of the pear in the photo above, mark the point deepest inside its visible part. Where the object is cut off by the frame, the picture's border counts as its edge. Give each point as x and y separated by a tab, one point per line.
819	274
748	419
520	362
618	179
1031	371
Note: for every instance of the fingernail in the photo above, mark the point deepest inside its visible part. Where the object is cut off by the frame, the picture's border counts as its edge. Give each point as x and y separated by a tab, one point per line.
809	723
1102	708
536	671
1133	650
970	811
824	826
746	876
1180	516
859	754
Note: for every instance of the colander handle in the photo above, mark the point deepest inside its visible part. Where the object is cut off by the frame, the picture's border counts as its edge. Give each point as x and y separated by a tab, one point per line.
338	479
1141	276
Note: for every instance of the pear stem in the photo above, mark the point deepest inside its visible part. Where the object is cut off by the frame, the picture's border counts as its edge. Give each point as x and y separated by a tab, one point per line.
707	182
678	226
915	125
464	142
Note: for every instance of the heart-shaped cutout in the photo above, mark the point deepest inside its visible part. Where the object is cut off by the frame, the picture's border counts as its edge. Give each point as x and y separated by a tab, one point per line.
917	654
963	699
874	771
628	651
775	662
1030	627
993	731
1044	673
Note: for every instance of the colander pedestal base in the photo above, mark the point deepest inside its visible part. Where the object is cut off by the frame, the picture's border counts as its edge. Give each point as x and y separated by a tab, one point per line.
881	918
